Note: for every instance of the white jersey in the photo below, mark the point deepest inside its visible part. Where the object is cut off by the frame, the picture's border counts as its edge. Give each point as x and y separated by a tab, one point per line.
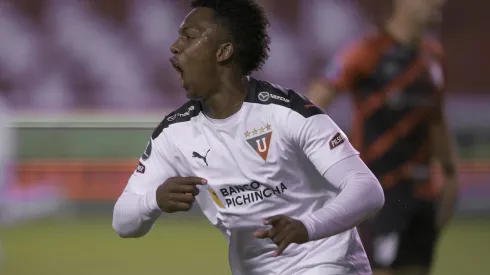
267	159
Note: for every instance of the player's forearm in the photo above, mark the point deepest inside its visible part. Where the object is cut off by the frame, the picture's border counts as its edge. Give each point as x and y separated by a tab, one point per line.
444	149
360	198
444	152
134	214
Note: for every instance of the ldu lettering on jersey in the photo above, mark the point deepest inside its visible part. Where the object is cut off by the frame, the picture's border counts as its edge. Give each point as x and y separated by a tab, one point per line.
249	193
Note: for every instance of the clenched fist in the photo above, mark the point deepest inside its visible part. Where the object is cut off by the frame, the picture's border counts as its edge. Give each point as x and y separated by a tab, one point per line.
177	193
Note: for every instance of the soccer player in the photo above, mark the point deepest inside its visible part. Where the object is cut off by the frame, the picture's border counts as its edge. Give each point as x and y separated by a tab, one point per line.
19	205
6	145
396	79
5	154
268	168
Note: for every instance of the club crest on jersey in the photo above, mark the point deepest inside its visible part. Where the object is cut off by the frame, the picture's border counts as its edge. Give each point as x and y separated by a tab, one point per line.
260	139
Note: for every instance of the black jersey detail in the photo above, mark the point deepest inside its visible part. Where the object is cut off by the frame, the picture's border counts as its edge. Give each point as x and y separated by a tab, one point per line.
263	92
185	113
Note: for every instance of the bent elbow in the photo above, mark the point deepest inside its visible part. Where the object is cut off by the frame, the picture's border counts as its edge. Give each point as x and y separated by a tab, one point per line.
378	197
128	235
126	230
380	202
121	232
126	222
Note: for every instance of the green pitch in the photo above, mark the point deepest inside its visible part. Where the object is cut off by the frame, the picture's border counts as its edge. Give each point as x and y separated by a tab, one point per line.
179	247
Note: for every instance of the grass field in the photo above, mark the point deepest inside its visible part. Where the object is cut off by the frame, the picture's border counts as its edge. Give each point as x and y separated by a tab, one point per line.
180	248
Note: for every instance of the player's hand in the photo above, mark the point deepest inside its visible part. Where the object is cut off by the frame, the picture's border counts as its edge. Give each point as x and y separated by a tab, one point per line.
284	231
447	202
177	193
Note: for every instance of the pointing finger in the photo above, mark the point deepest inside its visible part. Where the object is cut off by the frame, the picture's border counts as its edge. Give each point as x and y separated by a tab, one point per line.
183	189
191	181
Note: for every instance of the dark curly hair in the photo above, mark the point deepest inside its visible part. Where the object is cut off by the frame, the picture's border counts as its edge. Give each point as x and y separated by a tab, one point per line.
247	25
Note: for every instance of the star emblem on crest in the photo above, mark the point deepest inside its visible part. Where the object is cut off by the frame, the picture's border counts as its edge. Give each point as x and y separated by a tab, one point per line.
259	139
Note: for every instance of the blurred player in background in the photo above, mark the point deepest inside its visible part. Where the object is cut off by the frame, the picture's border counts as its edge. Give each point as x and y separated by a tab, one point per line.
5	154
16	204
268	168
396	78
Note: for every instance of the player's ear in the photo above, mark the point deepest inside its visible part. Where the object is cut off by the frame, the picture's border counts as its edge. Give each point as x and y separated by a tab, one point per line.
224	53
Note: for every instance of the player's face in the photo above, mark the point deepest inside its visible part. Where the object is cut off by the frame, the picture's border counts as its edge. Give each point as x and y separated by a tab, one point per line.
195	53
426	12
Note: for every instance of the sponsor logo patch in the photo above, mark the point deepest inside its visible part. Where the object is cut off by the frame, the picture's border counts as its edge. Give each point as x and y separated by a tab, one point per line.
336	141
141	168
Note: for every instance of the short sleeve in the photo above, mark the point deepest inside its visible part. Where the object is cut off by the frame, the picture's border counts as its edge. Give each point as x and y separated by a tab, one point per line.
321	140
155	166
343	70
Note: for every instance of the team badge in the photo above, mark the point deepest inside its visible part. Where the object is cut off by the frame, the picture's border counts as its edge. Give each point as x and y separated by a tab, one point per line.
260	139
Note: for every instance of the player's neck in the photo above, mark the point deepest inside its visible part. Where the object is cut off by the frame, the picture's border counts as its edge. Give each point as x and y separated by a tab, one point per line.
403	30
227	99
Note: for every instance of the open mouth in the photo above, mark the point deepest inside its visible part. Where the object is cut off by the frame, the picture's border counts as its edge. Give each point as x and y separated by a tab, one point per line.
177	67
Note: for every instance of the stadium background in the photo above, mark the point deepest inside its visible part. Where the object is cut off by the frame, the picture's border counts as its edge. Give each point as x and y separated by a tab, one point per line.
89	80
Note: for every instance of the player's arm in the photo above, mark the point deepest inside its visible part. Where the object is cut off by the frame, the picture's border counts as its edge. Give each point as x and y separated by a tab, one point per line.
321	93
360	193
137	209
444	153
340	75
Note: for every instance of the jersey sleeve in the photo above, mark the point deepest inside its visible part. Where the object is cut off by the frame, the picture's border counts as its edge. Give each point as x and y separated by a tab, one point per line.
320	139
360	197
155	166
136	210
344	68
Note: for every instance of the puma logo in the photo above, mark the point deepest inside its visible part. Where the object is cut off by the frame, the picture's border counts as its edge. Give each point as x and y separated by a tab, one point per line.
197	155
